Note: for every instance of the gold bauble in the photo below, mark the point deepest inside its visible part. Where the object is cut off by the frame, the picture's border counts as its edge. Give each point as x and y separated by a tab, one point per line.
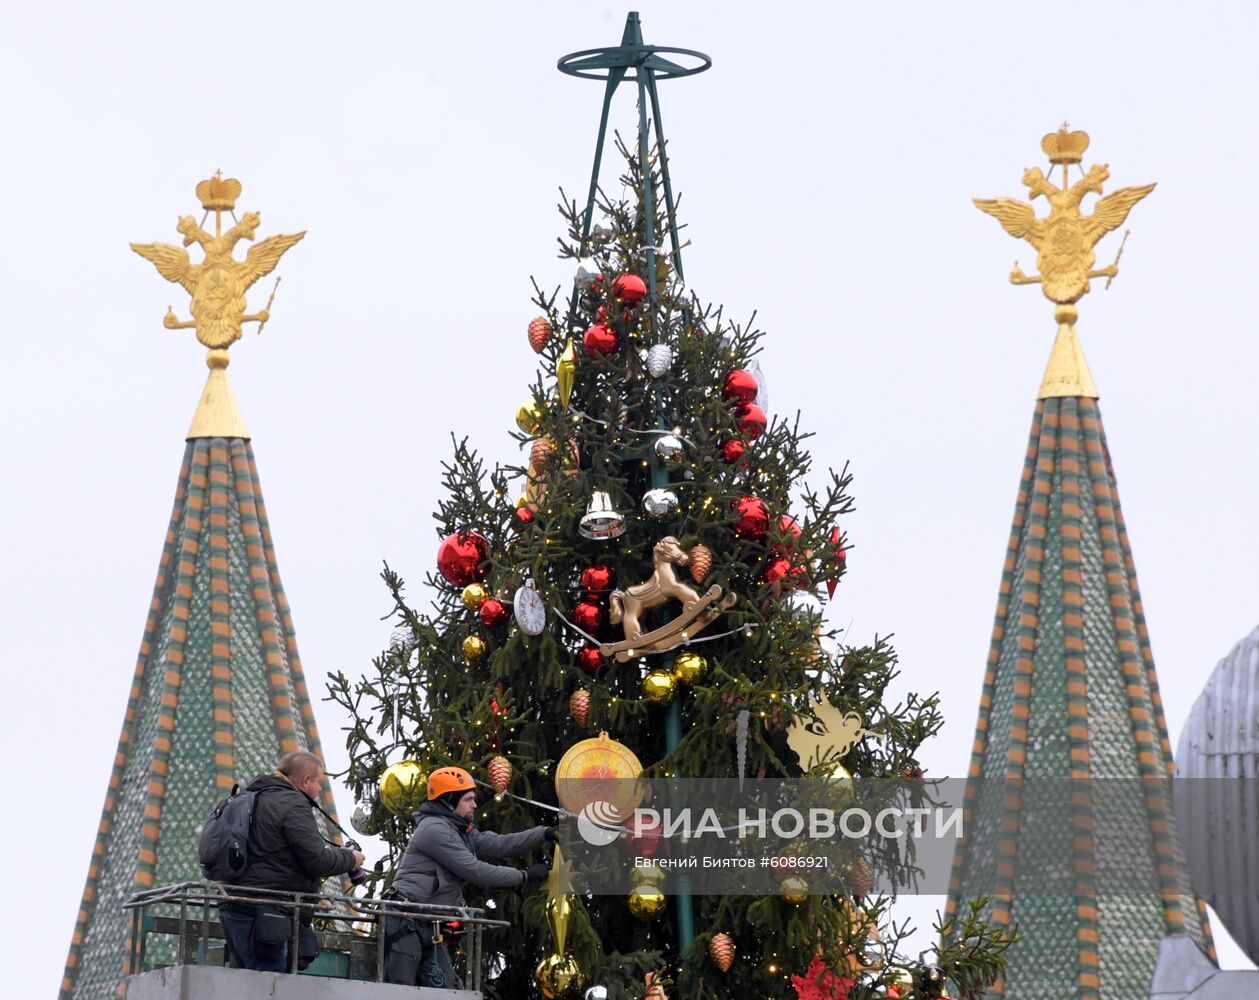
794	890
403	787
839	783
690	668
559	977
649	874
473	648
659	686
474	595
529	416
646	902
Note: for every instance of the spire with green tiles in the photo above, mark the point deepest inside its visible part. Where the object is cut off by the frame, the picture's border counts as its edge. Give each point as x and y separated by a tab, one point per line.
1069	825
218	692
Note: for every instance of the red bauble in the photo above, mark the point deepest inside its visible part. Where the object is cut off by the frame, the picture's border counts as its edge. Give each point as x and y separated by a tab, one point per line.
750	419
753	517
493	612
524	516
460	558
780	570
629	288
597	580
590	660
643	840
588	616
739	387
600	339
732	450
777	569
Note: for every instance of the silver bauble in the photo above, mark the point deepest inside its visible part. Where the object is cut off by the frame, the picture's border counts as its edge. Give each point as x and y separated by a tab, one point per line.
659	360
597	993
762	385
360	819
587	271
804	605
828	648
668	447
660	503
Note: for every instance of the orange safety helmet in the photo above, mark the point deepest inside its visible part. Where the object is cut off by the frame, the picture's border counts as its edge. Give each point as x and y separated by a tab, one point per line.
449	779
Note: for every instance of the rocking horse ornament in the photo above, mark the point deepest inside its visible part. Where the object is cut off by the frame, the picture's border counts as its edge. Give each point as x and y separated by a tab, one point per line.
698	610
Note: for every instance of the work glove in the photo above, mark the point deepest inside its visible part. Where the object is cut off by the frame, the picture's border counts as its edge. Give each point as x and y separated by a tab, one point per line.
538	872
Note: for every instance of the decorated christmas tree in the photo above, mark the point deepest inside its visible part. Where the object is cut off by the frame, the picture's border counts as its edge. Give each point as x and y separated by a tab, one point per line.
644	596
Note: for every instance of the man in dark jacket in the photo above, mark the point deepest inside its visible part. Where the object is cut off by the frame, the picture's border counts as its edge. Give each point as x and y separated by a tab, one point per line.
445	853
286	852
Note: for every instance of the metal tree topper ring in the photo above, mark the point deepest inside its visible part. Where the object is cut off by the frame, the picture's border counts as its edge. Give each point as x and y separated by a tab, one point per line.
599	770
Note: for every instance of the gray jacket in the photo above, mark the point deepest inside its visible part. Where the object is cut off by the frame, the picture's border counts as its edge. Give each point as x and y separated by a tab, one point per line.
445	853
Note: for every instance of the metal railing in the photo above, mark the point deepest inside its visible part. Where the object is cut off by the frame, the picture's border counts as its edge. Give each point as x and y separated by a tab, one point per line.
185	913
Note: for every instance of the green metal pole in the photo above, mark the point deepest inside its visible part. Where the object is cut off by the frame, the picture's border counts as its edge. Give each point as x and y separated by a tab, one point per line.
648	64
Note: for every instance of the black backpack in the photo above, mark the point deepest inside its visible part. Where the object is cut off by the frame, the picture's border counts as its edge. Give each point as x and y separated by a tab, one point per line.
223	847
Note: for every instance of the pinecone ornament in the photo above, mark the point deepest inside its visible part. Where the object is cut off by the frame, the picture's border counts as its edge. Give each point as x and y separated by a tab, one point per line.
859	877
539	332
499	771
721	951
701	562
541	453
579	707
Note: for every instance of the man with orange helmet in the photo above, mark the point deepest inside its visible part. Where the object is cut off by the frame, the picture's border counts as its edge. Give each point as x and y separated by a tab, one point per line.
446	852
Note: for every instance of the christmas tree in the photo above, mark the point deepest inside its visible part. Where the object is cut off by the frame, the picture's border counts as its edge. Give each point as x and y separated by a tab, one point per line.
659	580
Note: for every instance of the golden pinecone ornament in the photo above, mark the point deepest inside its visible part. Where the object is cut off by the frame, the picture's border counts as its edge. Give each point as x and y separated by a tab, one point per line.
721	951
579	707
701	562
499	772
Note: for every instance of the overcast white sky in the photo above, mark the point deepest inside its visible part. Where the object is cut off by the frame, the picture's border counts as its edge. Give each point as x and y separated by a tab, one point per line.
826	165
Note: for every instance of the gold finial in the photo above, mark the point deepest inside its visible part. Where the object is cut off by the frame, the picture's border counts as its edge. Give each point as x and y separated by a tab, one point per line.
1064	242
217	285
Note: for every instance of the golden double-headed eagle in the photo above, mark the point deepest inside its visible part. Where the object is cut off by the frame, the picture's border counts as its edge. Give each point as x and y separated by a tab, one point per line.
1064	240
218	284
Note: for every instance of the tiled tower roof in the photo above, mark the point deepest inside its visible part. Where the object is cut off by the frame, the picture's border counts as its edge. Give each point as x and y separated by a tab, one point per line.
218	693
1090	868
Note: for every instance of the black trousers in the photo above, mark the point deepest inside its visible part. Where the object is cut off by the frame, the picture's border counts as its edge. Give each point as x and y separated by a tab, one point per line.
416	954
